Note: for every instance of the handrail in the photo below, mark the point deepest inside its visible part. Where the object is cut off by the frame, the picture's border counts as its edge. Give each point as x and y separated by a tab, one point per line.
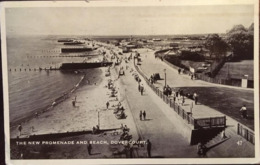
196	123
246	133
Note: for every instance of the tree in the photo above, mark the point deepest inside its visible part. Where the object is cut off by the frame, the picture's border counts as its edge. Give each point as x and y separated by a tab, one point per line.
251	29
237	28
191	56
241	42
216	45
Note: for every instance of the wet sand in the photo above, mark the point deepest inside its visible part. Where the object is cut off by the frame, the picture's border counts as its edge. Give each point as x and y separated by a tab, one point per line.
64	117
90	110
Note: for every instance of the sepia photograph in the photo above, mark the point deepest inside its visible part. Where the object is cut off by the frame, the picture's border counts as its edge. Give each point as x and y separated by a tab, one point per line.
151	82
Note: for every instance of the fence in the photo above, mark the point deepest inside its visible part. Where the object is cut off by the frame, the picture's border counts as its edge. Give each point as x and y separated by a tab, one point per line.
215	80
186	116
245	132
210	122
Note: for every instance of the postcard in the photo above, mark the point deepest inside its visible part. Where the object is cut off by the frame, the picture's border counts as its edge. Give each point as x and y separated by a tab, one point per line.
131	82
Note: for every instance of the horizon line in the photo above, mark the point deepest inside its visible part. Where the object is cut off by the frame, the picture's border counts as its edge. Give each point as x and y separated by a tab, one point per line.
108	35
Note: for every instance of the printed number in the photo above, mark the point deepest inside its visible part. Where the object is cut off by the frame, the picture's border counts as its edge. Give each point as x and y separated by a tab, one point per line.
239	142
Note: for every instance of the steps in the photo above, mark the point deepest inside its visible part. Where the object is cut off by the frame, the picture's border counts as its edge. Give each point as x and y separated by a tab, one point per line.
232	146
205	135
216	140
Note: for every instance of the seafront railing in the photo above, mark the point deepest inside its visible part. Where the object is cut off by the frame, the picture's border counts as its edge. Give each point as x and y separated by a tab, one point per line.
245	132
186	116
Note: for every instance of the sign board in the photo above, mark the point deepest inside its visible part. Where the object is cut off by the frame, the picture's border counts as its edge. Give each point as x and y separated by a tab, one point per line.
244	83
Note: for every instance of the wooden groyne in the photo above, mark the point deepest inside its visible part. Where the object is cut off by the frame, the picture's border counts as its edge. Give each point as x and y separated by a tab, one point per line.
34	69
51	136
66	66
71	66
66	56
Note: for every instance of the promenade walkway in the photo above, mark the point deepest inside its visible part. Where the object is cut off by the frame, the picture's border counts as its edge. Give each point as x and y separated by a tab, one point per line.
151	65
164	133
233	147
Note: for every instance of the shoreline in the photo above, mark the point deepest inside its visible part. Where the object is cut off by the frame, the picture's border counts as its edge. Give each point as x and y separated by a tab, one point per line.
62	97
89	111
85	81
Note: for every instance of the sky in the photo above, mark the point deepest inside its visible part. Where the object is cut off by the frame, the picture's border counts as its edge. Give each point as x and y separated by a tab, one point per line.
142	20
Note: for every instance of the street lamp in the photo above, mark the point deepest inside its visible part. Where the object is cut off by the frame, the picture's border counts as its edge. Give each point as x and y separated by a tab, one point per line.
165	76
98	120
98	115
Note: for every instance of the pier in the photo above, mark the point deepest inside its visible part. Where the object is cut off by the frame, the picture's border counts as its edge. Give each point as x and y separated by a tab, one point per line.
67	66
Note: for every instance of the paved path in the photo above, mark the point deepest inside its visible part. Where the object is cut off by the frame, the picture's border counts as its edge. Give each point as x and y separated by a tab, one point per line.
151	65
199	111
167	139
164	127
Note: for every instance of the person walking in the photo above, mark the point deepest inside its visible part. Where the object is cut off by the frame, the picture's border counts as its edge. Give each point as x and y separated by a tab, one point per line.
195	96
243	111
131	150
183	100
89	147
174	97
149	147
140	115
144	115
107	104
181	92
142	89
201	149
179	70
73	103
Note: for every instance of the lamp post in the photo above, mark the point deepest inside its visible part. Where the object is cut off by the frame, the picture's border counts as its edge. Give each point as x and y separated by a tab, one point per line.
98	117
98	120
165	76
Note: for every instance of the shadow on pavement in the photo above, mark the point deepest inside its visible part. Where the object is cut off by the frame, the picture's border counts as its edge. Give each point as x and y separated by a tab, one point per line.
214	145
148	119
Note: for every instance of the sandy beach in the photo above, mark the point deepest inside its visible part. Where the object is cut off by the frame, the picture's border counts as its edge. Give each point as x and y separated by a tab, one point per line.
89	111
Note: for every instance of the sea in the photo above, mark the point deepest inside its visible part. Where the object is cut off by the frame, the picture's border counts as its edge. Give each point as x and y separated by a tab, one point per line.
31	90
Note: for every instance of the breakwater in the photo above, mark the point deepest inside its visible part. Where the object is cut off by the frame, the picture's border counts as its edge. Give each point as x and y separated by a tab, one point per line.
52	136
71	50
72	66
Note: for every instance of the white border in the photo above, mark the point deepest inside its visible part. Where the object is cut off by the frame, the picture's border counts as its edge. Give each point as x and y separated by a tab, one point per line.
128	3
132	3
